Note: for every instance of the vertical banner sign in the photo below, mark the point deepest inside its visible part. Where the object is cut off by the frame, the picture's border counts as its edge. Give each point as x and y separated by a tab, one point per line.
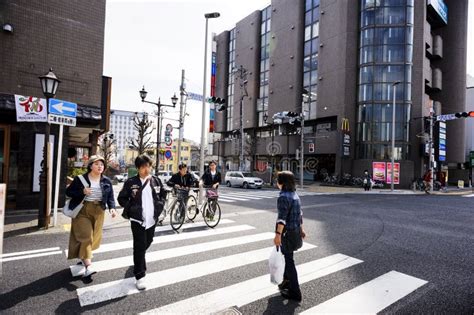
213	82
378	171
30	109
442	142
213	65
396	173
168	141
3	198
346	138
39	145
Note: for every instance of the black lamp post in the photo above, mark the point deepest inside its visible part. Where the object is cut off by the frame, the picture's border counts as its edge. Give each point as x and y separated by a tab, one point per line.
272	153
49	85
174	101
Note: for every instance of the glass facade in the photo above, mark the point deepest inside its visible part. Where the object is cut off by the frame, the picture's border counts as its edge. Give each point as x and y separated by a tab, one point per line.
385	56
231	86
262	105
311	49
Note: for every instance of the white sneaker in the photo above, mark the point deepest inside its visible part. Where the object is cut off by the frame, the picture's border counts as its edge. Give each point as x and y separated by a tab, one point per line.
89	272
141	284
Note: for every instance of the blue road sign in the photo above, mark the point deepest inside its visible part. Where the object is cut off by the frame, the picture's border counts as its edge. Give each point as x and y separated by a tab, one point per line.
63	108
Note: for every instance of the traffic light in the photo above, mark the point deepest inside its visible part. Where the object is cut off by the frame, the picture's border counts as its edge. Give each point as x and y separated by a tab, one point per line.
219	102
464	114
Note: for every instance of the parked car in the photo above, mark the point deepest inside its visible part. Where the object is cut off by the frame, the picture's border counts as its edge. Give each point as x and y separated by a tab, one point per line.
243	179
164	176
119	178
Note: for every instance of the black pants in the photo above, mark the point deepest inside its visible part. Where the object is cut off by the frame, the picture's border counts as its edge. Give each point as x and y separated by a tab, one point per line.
290	273
142	240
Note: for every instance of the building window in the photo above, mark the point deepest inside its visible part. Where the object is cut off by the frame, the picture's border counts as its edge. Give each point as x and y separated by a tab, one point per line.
386	52
231	86
311	49
262	103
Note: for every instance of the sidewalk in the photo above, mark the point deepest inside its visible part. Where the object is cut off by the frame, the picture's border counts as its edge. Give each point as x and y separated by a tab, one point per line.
316	187
25	222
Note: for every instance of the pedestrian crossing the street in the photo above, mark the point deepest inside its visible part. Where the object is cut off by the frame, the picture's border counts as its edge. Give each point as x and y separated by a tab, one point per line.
236	195
220	251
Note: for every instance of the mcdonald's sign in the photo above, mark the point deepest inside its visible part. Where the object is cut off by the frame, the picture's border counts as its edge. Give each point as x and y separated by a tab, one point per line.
345	125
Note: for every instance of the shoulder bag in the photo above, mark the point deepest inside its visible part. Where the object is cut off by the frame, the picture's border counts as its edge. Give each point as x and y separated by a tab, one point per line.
72	213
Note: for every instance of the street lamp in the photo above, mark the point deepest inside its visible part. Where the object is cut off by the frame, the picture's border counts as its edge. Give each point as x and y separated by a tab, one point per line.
49	86
174	101
392	184
272	152
207	16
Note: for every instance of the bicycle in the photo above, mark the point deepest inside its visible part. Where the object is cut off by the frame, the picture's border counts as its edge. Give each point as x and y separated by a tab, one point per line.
210	209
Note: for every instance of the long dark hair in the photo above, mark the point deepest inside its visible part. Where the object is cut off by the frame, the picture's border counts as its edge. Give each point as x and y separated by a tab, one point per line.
287	180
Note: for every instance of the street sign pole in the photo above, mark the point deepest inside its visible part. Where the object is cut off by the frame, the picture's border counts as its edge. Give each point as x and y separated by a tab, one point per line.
58	174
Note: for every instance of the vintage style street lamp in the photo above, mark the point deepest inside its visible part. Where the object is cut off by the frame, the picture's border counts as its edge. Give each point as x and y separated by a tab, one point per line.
49	86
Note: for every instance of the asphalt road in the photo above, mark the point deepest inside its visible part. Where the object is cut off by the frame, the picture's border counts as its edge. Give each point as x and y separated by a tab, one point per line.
367	253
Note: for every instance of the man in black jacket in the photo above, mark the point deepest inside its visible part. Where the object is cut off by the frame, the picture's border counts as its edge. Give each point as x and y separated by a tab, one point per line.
182	179
142	198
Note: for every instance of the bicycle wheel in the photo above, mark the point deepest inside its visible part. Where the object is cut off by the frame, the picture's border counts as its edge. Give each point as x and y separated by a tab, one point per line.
212	213
177	215
191	208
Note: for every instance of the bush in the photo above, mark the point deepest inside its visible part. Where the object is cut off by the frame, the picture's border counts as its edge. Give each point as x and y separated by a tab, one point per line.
74	171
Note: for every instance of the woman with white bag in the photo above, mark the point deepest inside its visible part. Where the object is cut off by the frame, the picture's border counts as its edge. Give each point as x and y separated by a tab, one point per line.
289	233
86	226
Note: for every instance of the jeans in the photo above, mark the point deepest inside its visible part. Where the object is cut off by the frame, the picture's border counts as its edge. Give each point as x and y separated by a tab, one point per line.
142	240
290	273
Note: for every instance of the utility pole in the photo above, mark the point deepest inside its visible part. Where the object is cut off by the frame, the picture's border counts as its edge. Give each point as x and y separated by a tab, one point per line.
302	147
242	72
181	115
431	148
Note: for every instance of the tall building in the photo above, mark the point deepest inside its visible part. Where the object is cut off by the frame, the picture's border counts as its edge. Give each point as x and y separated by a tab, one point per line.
36	35
121	126
347	55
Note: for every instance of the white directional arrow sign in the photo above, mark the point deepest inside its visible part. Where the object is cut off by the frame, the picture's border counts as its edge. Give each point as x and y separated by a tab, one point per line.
61	108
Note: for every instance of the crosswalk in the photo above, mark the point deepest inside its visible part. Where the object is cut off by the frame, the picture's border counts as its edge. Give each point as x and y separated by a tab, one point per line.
238	195
468	196
221	251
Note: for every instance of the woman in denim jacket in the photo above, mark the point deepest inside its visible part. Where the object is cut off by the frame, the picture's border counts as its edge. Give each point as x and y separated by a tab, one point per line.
290	218
86	227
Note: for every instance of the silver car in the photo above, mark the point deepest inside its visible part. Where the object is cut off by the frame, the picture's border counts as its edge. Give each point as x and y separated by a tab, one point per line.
164	176
242	179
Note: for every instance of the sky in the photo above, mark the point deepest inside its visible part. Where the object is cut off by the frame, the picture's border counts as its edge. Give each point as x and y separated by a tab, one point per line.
149	42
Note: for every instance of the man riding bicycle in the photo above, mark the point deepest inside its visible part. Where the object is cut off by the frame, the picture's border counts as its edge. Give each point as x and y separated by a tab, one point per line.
211	180
182	179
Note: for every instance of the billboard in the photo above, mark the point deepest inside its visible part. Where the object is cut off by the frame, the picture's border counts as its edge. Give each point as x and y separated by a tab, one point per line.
378	171
440	8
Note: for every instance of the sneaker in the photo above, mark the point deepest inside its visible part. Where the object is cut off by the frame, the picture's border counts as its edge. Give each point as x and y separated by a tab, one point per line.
140	284
290	295
89	272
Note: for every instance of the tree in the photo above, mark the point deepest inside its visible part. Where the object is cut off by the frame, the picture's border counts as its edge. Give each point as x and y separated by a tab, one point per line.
107	147
144	127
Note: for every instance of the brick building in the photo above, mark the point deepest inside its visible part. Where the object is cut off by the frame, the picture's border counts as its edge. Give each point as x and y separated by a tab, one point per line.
36	35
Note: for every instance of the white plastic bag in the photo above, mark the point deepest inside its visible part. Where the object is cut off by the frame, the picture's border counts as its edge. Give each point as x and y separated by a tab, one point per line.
276	264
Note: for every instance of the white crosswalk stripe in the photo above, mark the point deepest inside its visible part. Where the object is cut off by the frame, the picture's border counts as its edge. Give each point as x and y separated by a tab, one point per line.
468	196
115	289
370	297
232	195
126	261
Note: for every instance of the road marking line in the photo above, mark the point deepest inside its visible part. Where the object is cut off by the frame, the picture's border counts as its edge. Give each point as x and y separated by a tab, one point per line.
31	256
116	289
126	261
236	214
234	198
175	237
468	196
254	289
248	196
226	200
371	297
34	251
236	195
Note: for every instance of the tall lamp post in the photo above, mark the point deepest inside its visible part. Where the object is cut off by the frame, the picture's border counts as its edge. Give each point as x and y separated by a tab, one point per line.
392	181
272	152
204	85
174	101
49	86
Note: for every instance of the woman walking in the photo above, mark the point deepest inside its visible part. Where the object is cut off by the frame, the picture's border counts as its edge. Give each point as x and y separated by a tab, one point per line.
86	227
143	198
289	232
